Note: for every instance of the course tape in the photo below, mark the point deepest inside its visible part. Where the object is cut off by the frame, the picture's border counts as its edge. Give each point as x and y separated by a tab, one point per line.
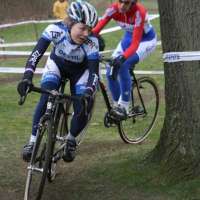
18	44
20	70
171	57
151	17
27	53
28	22
28	44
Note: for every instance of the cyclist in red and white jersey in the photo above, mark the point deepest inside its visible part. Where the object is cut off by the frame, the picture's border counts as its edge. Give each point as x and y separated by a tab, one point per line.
137	43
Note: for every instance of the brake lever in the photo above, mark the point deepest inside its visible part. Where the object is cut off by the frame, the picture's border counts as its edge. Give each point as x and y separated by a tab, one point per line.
22	100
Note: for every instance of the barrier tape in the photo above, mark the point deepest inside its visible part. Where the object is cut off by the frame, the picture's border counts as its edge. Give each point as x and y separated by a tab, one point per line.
172	57
27	53
28	22
18	44
20	70
151	17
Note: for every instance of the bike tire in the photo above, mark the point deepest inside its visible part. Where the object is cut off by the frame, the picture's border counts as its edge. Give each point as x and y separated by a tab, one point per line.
136	128
60	130
39	164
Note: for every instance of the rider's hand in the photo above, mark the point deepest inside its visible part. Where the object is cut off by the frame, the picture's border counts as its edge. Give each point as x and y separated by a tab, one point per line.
116	64
101	43
24	85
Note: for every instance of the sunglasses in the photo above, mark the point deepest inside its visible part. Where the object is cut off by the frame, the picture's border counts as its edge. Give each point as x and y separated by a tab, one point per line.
124	2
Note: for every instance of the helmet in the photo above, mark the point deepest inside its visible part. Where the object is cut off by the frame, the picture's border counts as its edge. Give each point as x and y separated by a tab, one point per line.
83	12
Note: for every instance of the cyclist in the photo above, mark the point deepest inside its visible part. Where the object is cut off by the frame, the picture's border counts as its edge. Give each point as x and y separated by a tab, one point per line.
75	55
137	43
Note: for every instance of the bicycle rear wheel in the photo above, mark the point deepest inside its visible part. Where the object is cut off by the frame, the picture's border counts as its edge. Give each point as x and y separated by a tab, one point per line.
39	165
143	113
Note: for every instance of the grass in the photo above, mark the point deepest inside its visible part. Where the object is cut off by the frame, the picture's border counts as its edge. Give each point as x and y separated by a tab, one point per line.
105	167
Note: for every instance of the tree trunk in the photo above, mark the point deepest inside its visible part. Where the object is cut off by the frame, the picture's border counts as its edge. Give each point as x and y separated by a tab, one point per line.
178	150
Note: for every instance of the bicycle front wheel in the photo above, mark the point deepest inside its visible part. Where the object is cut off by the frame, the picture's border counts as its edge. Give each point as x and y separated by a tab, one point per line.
58	136
39	165
143	112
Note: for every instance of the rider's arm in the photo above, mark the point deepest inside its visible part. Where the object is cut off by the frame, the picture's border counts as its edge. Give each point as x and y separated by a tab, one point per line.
137	33
93	66
104	20
53	33
36	54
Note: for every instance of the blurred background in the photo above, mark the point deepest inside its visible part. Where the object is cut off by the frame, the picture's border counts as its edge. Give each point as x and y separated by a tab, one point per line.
12	11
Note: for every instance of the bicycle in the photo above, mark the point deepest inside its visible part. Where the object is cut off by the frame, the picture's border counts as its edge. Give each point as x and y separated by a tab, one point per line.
50	139
143	109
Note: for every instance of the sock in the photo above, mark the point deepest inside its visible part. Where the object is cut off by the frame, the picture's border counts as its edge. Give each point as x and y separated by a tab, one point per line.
124	104
115	103
70	136
32	138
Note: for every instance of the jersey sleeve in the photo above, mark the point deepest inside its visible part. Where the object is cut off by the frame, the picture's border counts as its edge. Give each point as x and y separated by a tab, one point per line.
104	20
92	49
137	33
53	33
36	54
93	64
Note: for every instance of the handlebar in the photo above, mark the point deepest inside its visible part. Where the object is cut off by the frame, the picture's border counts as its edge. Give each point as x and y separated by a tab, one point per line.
54	93
104	59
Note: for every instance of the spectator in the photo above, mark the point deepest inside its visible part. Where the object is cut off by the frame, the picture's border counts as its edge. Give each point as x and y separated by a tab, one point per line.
59	8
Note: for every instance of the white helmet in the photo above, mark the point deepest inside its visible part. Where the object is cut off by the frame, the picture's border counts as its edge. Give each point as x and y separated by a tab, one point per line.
83	12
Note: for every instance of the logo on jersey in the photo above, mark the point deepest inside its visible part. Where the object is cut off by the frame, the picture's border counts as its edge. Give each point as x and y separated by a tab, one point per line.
35	55
69	57
55	34
91	44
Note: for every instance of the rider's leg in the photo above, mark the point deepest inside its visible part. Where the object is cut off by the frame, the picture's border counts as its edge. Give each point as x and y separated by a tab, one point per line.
125	81
113	86
41	107
146	47
49	81
80	117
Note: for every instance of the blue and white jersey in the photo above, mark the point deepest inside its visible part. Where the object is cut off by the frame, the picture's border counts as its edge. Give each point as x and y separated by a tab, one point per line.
66	55
64	47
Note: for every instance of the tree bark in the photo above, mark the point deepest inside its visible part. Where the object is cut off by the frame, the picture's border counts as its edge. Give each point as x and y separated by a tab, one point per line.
178	149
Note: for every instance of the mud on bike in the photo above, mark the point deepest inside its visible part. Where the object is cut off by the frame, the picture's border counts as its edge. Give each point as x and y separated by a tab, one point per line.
143	108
